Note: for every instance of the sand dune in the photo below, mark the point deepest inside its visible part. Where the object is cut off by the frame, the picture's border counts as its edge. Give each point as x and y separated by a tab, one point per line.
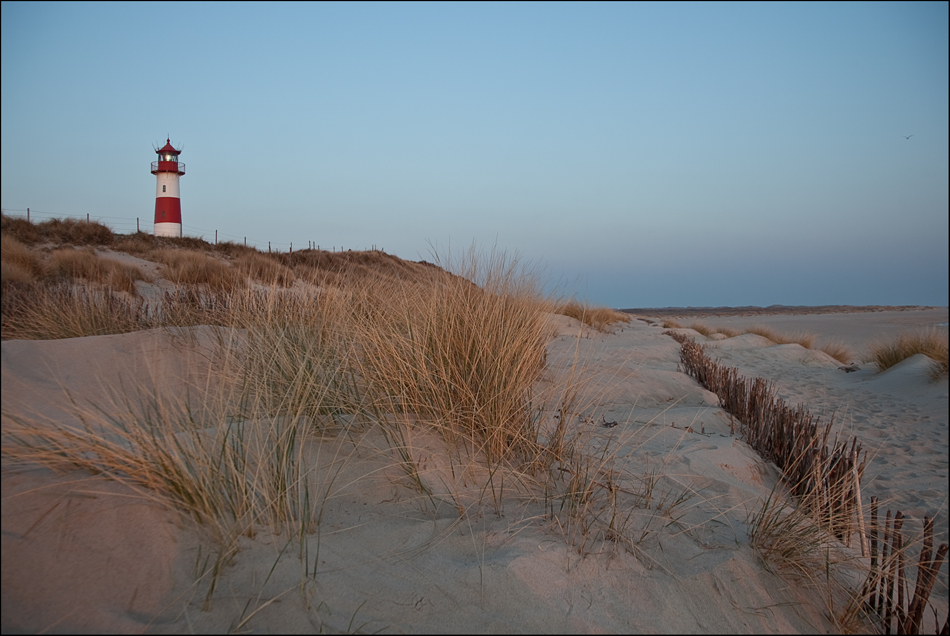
83	553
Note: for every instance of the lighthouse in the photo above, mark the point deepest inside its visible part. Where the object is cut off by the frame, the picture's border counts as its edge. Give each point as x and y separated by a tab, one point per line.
167	171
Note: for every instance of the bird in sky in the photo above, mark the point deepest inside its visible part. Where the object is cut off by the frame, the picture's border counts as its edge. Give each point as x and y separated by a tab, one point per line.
908	136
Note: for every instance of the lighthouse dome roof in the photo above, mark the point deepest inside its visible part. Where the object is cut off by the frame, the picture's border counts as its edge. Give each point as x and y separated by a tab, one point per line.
168	148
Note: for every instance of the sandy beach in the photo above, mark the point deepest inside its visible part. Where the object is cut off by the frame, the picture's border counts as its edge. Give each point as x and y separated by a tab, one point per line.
81	553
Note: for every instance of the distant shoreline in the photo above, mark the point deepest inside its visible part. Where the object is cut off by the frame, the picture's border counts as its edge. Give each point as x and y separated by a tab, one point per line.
772	310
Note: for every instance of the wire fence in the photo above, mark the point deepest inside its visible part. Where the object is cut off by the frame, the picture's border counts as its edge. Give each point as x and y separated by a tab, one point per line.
131	225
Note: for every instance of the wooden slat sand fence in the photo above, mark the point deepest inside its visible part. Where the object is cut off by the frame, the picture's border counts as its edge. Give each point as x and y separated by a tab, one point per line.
823	477
886	591
826	479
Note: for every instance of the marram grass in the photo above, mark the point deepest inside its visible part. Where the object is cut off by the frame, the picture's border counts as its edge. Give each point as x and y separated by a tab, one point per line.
933	344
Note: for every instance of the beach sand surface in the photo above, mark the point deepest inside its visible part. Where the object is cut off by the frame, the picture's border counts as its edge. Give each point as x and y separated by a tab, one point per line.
83	553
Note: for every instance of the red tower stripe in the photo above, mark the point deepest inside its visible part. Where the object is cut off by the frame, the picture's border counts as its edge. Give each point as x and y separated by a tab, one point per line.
167	210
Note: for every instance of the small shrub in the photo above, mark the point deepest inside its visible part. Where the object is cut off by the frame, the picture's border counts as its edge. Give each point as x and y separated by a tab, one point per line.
671	324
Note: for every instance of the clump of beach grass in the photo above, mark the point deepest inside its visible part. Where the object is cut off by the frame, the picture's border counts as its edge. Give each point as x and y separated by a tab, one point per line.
933	344
463	352
20	264
729	333
69	264
803	338
59	231
233	448
40	311
191	267
837	350
702	328
600	318
266	270
794	544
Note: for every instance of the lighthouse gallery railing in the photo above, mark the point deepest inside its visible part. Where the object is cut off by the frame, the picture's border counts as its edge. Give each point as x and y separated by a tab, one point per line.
169	166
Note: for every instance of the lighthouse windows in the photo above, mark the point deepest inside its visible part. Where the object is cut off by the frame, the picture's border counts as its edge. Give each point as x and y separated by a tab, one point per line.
163	188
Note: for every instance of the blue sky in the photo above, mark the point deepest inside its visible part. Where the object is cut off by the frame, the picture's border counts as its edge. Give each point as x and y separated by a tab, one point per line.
640	154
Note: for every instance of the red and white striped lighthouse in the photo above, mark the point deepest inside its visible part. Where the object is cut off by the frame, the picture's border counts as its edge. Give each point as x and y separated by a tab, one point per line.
167	171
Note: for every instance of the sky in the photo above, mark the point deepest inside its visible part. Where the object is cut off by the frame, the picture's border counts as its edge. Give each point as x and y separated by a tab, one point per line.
632	155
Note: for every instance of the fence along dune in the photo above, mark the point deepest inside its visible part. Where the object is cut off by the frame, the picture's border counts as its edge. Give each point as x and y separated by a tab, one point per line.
826	481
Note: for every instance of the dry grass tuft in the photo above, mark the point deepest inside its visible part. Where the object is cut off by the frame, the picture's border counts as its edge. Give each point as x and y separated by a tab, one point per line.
600	318
264	269
40	311
463	352
20	229
729	333
838	351
932	344
190	267
70	264
58	231
671	324
702	328
138	244
19	263
787	536
801	338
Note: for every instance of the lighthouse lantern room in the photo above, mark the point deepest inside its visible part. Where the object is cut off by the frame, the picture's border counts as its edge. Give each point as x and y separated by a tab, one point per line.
167	171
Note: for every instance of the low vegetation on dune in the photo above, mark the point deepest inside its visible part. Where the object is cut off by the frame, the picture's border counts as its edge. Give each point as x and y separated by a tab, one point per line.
19	263
68	264
600	318
933	344
266	271
700	327
802	338
193	267
451	355
430	369
57	231
40	258
836	350
22	265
